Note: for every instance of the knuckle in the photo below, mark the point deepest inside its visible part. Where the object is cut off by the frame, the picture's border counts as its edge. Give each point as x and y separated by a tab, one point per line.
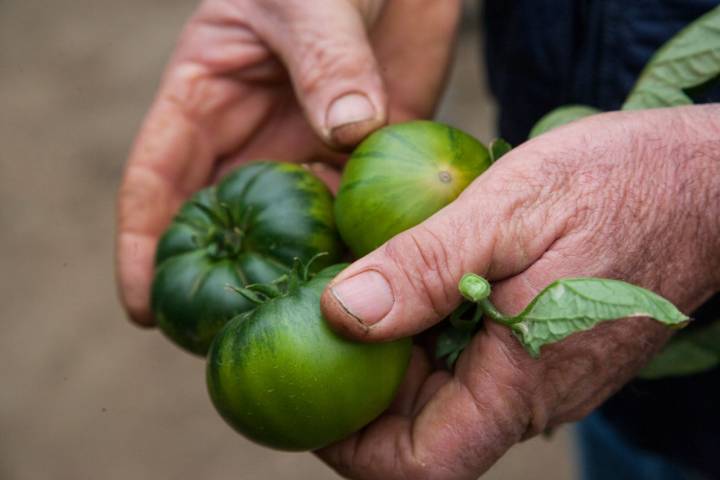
313	68
329	58
370	10
190	93
424	258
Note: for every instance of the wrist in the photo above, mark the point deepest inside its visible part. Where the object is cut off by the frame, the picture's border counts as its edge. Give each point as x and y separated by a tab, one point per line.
702	129
682	148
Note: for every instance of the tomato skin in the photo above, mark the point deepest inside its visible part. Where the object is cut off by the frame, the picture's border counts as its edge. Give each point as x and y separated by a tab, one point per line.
280	376
246	229
399	176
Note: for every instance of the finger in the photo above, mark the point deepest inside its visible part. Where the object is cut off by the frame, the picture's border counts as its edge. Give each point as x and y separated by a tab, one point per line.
334	72
410	283
413	42
458	434
594	363
512	294
194	119
416	375
169	161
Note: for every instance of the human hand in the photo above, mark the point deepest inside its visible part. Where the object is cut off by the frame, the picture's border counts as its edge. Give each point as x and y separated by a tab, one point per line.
271	79
627	195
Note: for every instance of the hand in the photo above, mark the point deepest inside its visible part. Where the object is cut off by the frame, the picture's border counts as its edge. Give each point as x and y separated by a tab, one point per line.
271	79
633	196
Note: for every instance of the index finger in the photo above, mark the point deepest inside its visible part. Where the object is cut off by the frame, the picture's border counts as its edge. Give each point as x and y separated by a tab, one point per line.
170	160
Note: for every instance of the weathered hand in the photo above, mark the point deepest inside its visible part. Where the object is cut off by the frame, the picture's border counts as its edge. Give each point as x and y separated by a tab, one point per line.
271	79
633	196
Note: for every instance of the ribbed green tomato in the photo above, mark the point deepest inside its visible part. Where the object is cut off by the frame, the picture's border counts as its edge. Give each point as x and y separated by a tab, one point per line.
281	377
246	229
401	175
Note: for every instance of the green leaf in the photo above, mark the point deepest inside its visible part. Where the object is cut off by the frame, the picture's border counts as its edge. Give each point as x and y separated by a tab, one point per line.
251	294
690	59
576	304
462	324
270	290
689	352
451	342
307	268
561	116
458	318
498	148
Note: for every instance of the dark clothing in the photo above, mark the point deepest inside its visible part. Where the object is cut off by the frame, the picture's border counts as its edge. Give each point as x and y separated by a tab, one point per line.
545	53
605	454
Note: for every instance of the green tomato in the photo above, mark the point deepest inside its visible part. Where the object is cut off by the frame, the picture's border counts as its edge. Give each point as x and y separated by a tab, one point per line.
401	175
281	377
247	229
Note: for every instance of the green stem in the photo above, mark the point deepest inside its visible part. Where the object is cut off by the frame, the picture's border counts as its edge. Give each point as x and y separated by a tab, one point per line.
477	315
489	310
476	289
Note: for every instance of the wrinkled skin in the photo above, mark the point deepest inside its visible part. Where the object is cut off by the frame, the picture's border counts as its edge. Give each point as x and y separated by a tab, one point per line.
624	195
633	196
258	79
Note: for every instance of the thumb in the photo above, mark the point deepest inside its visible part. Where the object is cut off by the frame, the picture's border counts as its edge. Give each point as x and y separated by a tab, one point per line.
331	64
410	283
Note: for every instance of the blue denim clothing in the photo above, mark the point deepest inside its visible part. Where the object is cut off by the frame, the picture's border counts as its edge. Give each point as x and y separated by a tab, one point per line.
545	53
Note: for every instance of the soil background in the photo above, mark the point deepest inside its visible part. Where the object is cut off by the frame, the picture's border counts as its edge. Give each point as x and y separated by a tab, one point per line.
84	394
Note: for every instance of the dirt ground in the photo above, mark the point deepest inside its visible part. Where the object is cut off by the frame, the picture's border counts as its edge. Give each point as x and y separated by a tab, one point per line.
84	394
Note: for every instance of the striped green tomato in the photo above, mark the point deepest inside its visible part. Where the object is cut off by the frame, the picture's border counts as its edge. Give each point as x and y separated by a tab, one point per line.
399	176
281	377
246	229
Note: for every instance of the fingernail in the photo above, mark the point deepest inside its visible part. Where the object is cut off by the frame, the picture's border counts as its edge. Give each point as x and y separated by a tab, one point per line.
351	108
366	296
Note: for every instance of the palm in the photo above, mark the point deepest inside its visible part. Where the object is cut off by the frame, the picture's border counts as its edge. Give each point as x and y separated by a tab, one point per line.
227	99
243	106
270	124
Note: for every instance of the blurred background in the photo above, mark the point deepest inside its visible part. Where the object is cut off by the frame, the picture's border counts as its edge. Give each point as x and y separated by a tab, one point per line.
84	394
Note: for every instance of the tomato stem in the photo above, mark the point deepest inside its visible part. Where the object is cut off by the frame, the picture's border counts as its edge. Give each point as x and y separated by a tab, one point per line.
476	289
